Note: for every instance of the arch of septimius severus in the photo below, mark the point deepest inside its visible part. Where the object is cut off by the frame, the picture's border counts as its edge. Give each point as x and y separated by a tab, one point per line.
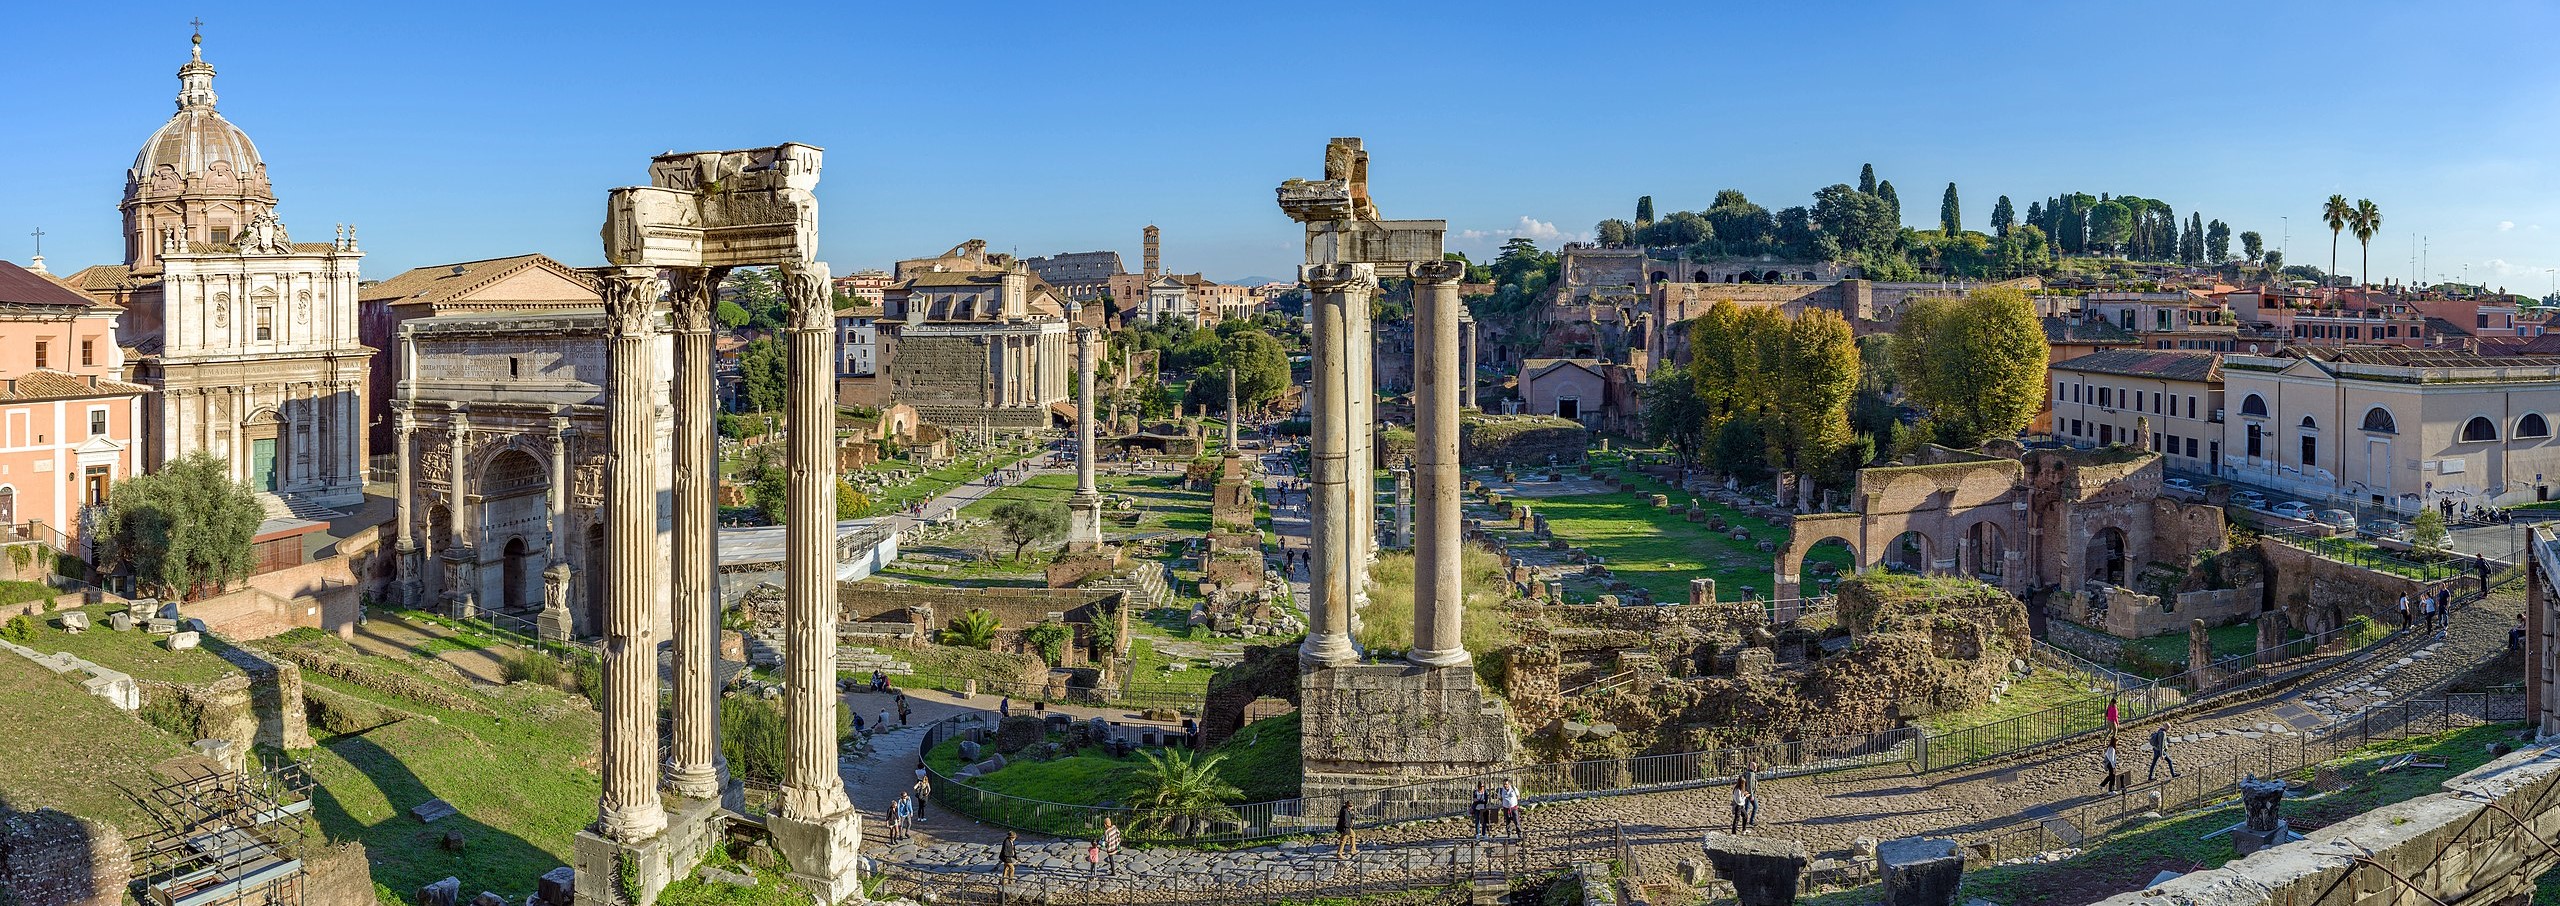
669	244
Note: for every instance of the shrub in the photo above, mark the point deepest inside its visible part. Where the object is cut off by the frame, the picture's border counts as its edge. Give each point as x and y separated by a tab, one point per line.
533	667
1019	732
1052	639
751	737
19	629
975	628
590	676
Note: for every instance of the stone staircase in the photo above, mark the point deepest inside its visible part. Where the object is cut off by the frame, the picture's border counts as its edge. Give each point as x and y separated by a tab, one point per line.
1144	586
296	506
861	661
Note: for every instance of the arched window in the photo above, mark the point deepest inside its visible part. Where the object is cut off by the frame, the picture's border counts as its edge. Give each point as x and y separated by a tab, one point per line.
2308	424
2378	420
2253	405
2479	428
2533	425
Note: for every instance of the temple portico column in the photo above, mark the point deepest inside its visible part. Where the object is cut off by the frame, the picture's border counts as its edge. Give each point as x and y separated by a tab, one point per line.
1466	358
1231	409
1437	593
631	811
1332	558
693	760
404	427
812	789
459	594
1361	344
1084	508
555	624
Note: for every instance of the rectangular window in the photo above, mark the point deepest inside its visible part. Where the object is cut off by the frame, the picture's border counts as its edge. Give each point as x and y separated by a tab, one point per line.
97	422
88	352
96	481
221	235
42	361
2104	393
266	323
2155	400
2155	443
2484	320
2355	333
2310	451
2191	448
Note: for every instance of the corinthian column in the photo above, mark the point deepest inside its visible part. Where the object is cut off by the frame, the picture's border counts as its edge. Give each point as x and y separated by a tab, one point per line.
1360	342
555	623
1437	592
811	787
404	425
460	593
1084	508
1466	358
630	806
1332	560
693	761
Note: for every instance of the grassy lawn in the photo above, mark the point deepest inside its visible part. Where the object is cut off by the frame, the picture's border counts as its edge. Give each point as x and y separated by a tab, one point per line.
1653	549
140	653
2043	690
936	482
2366	554
1147	670
523	778
2227	641
67	749
2126	861
1163	507
1262	759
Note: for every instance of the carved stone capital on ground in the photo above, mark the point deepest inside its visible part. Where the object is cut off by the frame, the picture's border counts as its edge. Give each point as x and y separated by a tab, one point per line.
631	300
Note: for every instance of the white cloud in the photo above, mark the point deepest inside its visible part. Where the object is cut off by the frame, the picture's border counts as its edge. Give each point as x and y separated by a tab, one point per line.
1540	231
2505	225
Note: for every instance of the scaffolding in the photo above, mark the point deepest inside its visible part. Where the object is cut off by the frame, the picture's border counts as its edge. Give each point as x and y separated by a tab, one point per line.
224	836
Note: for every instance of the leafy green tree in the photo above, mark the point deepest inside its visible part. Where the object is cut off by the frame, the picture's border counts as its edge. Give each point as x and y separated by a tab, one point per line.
2427	532
751	737
1179	788
1892	203
1976	364
1740	227
2275	261
973	628
1861	222
1866	179
2110	226
2252	246
2003	217
2336	212
185	530
753	289
763	375
1674	416
2025	250
1644	210
1817	372
2191	242
730	315
1740	452
2365	221
2217	242
1022	522
1615	232
1950	217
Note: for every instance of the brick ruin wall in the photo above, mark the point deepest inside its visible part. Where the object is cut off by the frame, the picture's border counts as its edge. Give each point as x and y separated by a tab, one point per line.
1523	441
50	858
2318	594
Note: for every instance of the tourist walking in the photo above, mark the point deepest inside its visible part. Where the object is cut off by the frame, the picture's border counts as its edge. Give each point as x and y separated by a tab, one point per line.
1093	859
1110	842
1004	707
1005	855
2107	762
1345	843
859	728
1476	810
2160	754
2111	715
1750	795
2404	612
1511	807
1741	802
884	720
2480	563
903	711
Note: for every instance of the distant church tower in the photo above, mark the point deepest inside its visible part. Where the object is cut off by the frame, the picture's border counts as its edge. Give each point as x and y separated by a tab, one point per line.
1153	263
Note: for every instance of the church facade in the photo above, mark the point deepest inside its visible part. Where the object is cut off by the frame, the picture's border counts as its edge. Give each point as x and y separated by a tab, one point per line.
247	339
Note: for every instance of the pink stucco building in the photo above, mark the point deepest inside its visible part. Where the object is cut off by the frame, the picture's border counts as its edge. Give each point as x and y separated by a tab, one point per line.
67	425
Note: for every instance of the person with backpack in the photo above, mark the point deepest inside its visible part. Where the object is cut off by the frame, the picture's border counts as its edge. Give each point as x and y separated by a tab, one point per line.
2160	754
1345	842
1479	810
1005	856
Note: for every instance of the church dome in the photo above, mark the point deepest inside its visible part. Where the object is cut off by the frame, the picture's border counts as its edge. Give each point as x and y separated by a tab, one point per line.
198	143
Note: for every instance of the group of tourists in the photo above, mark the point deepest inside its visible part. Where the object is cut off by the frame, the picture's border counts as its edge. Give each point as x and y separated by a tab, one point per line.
2431	608
1746	799
2117	778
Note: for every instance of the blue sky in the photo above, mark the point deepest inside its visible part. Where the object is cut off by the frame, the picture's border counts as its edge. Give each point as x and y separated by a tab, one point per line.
461	130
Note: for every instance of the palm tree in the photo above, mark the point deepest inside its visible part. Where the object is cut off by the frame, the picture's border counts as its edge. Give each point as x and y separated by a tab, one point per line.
1179	785
2336	212
975	628
2367	220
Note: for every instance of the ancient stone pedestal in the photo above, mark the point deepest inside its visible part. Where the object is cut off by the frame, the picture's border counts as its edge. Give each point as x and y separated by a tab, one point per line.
2270	636
609	872
822	853
1920	871
556	624
2199	657
1702	591
1371	726
2264	800
1084	508
1764	871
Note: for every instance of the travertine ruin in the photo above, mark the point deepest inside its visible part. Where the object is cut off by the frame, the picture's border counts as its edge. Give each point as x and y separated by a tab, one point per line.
1370	725
701	214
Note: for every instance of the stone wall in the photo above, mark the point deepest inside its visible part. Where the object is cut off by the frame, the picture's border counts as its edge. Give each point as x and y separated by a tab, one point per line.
275	698
50	858
2319	594
1012	607
2462	845
1520	440
337	875
1371	726
1267	671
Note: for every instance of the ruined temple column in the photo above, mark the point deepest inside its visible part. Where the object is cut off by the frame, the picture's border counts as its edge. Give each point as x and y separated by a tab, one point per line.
1332	563
1362	391
1231	409
555	623
811	788
1437	589
630	806
404	428
693	760
1466	358
459	595
1084	508
1404	506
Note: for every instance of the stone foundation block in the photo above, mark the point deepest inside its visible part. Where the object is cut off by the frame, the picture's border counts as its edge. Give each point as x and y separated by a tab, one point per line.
1763	871
824	854
1920	871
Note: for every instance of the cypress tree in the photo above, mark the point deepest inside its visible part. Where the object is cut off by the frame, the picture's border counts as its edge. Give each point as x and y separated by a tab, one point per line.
1892	202
2003	217
1950	217
1644	210
1867	178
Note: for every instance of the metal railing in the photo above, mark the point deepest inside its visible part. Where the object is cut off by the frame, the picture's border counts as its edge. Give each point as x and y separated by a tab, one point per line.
1178	698
2364	554
2201	785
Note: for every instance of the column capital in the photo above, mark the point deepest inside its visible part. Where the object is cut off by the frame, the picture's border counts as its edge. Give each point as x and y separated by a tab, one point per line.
459	418
1335	278
631	299
559	428
805	291
1443	271
692	294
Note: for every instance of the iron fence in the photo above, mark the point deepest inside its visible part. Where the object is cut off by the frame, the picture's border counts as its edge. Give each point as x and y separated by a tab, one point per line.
1186	699
2199	785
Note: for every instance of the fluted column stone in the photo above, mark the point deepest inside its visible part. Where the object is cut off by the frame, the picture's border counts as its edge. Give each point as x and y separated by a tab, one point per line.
693	760
404	430
555	623
631	810
1084	508
459	593
811	787
1331	555
1437	589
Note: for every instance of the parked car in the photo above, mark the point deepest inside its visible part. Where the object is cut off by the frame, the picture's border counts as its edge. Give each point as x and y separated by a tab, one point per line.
2386	529
2178	484
2292	509
2250	499
2343	521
